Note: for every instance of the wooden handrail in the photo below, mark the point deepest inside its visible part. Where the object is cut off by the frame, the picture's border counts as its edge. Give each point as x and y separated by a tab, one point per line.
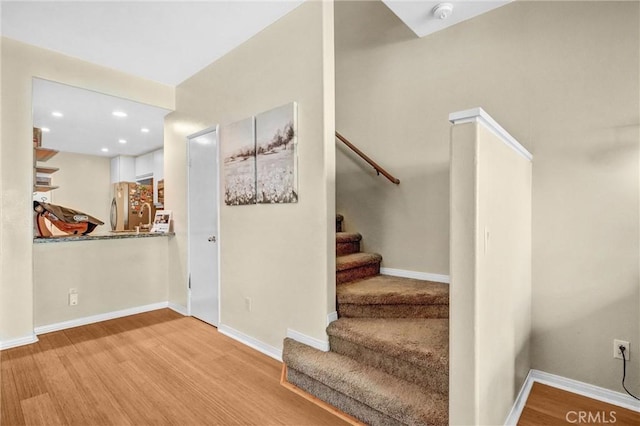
368	160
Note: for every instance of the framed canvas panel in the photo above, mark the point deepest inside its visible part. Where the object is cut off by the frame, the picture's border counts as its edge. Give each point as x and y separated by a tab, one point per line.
238	147
276	155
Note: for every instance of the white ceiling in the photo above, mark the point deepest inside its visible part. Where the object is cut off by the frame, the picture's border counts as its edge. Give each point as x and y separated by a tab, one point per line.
88	125
418	15
164	41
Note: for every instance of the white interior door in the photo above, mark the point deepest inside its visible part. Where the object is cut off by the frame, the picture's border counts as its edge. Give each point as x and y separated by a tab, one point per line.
203	225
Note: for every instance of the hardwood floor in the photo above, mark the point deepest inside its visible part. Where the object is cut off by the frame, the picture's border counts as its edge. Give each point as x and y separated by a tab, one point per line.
156	368
549	406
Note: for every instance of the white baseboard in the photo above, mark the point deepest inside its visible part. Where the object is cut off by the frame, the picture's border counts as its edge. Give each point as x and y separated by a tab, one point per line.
321	345
20	341
570	385
333	316
415	275
100	317
179	309
521	400
251	342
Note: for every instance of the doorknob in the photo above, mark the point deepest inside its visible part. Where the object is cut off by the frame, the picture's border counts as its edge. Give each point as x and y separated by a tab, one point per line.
212	239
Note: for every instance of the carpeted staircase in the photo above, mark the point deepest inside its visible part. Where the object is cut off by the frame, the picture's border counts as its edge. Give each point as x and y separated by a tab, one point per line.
389	357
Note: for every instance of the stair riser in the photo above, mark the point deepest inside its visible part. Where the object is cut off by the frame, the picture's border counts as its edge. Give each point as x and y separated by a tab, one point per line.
348	310
357	273
343	402
434	377
347	248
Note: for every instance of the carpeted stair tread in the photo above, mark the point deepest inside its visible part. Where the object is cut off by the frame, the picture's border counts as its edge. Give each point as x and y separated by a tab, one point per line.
420	341
347	237
356	260
344	403
347	243
388	290
401	400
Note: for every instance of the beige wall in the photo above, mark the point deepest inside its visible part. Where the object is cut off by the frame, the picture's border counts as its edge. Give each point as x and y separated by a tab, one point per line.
20	63
281	256
84	185
109	275
490	275
562	77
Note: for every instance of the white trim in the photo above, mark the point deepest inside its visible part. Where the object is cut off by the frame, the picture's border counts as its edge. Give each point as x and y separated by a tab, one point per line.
585	389
218	225
521	400
20	341
99	318
333	316
416	275
478	115
251	342
179	309
321	345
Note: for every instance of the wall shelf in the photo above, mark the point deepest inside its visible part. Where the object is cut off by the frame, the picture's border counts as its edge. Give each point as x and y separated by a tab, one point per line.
46	170
43	188
44	154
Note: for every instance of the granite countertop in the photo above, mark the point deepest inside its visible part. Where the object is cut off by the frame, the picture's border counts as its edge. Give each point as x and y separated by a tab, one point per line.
102	236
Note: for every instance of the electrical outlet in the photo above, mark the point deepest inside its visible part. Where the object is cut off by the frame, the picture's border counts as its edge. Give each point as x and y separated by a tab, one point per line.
73	299
616	349
247	303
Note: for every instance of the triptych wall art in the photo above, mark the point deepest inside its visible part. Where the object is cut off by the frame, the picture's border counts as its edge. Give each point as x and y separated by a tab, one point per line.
260	158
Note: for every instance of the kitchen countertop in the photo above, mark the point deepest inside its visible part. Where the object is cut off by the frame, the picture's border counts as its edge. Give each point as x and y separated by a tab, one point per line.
120	235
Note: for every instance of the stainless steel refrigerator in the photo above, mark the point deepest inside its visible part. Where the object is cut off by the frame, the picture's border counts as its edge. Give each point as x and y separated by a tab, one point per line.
131	206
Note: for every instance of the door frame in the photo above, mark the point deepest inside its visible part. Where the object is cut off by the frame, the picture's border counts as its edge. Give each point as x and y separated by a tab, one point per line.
215	128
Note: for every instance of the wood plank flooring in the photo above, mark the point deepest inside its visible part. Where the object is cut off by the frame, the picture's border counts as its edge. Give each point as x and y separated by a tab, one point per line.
156	368
549	406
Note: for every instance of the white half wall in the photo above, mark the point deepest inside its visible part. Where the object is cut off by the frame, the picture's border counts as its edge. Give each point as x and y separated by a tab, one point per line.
490	316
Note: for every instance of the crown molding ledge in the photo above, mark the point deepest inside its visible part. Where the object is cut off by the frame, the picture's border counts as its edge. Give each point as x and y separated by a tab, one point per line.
478	115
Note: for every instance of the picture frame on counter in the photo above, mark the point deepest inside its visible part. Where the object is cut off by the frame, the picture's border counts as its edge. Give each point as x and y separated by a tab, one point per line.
162	222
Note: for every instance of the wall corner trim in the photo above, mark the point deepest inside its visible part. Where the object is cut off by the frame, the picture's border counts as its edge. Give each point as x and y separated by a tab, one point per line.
99	318
478	115
439	278
333	316
321	345
253	343
20	341
179	309
570	385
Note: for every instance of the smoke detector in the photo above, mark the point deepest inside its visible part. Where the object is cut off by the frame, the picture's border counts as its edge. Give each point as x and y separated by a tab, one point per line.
443	10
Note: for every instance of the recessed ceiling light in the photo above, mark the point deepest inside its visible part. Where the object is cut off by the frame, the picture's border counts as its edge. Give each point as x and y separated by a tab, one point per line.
105	150
57	114
119	113
144	130
45	129
122	140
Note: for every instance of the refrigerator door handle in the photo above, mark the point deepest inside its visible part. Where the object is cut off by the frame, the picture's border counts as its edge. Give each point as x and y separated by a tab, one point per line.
113	216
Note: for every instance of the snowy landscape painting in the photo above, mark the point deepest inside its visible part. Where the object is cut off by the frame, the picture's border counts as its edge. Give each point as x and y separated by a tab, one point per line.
276	165
239	154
